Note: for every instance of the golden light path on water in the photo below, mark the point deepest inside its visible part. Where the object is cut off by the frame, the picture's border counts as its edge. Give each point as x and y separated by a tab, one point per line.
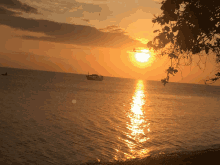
137	125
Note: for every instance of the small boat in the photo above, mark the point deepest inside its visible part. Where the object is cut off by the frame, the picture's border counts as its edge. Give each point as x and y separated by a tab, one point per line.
94	77
5	74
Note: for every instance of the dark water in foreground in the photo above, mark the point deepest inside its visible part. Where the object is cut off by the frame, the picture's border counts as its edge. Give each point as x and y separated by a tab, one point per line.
58	118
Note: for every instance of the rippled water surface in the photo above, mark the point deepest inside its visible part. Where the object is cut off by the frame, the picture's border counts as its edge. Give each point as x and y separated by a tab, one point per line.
58	118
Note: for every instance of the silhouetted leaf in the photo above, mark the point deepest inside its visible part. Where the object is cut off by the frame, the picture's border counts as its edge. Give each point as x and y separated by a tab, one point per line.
156	31
207	50
214	79
149	44
217	74
172	55
170	36
171	70
196	49
166	28
175	28
164	81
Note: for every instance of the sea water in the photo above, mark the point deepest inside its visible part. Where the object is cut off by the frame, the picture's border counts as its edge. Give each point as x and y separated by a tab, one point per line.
61	118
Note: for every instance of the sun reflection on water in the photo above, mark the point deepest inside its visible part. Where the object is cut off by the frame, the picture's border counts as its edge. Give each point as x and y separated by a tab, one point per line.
137	126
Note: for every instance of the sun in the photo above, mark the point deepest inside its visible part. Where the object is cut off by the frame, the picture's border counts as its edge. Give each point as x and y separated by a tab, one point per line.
142	56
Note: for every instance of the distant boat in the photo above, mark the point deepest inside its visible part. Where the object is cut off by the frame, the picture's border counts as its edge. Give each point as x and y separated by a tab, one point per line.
94	77
5	74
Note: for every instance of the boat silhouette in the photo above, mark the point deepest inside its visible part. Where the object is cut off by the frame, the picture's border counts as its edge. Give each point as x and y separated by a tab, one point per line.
94	77
5	74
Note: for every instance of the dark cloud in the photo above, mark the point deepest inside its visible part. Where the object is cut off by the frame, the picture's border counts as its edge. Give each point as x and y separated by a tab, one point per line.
60	32
17	5
86	20
80	10
4	11
113	29
65	33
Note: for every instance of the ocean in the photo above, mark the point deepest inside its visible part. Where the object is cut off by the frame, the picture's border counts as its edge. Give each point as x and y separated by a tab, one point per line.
61	118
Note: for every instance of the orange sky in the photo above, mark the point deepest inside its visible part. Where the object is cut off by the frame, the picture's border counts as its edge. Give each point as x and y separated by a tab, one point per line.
78	36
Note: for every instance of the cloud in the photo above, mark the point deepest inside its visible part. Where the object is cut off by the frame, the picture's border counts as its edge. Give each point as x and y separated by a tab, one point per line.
101	0
76	8
4	11
86	20
17	5
112	29
112	36
65	33
80	9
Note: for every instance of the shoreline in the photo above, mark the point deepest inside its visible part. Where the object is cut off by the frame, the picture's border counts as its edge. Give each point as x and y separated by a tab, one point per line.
200	157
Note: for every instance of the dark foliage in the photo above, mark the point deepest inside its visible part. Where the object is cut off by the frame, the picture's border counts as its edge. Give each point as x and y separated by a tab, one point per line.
190	26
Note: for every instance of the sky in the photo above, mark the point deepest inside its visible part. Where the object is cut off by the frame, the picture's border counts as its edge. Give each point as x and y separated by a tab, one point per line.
81	36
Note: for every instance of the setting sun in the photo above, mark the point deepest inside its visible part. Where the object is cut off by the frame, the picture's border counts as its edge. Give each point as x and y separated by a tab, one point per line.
142	56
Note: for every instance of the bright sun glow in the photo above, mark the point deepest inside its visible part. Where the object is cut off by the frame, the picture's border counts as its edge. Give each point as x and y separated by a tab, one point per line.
142	56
